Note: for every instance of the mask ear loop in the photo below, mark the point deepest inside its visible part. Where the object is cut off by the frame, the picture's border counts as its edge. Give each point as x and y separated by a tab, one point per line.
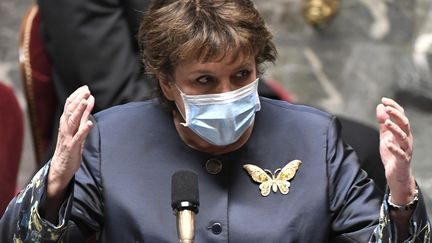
186	107
258	102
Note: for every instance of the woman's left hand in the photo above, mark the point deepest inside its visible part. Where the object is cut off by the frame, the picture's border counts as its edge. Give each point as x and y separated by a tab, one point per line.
396	149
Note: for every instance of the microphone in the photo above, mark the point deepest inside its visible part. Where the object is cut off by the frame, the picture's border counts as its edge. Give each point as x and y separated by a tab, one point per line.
185	202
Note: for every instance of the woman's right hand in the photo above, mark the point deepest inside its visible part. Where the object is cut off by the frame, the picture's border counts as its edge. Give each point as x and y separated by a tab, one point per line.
73	130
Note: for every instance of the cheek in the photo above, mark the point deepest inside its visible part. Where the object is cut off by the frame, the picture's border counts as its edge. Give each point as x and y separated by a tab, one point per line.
171	93
179	101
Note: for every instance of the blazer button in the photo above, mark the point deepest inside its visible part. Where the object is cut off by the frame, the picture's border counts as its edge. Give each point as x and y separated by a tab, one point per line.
216	228
213	166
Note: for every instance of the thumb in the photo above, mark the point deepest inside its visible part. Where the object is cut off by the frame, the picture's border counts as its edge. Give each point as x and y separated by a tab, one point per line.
381	114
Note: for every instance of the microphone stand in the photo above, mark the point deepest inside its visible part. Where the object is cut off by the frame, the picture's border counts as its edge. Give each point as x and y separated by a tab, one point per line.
186	226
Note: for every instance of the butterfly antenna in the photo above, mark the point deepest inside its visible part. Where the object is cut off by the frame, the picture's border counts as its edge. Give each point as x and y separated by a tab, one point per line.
277	172
269	173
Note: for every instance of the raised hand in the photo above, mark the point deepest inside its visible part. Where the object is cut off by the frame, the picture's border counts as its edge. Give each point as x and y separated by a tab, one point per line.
396	148
73	129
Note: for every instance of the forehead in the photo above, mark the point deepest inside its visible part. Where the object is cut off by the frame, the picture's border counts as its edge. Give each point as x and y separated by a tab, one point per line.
227	60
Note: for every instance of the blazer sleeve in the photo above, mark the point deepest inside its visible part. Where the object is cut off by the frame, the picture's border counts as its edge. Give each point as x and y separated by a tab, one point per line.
359	211
80	214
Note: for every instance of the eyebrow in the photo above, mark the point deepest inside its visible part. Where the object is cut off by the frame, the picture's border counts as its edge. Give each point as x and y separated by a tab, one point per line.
242	65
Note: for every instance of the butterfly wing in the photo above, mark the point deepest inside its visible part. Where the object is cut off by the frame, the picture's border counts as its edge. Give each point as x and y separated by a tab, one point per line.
265	187
286	174
289	170
259	175
283	186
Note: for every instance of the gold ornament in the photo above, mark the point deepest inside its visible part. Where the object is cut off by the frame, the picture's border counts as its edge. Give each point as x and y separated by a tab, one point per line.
319	13
280	178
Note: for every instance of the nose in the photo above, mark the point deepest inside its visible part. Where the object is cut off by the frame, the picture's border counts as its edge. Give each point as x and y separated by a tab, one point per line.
225	86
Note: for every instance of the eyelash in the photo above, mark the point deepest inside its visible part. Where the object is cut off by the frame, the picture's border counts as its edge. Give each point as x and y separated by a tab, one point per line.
243	74
239	76
208	80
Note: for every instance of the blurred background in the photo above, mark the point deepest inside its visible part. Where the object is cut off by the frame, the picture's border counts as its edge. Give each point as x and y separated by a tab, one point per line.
338	56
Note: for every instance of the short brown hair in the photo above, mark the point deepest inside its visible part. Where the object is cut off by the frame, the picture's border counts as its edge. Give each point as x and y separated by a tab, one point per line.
177	30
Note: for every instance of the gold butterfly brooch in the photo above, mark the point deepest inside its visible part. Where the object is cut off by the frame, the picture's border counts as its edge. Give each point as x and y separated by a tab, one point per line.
269	181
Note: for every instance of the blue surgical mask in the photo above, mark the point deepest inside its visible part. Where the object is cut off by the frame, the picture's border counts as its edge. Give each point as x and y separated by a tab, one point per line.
222	118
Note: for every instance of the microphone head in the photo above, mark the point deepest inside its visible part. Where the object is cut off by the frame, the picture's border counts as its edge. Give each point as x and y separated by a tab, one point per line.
184	191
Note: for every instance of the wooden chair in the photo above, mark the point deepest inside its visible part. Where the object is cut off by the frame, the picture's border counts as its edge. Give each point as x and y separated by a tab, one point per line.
36	70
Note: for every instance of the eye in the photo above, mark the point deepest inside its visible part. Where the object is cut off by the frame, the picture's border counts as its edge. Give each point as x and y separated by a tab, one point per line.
242	75
203	80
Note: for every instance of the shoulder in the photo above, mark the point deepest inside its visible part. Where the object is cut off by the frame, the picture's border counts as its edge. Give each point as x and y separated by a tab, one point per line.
288	113
149	111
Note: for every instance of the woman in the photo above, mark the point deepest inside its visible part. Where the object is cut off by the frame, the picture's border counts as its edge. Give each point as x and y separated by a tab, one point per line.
206	56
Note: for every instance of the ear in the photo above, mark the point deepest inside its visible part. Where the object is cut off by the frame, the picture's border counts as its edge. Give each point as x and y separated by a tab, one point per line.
166	87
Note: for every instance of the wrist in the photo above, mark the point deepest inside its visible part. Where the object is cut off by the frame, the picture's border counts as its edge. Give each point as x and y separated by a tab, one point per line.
403	190
396	205
57	184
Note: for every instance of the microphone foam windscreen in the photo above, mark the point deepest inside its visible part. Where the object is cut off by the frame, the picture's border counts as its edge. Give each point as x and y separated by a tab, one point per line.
184	188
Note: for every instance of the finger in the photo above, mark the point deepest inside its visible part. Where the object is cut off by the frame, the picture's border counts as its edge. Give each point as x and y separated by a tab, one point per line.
73	96
83	94
73	121
399	118
82	133
88	110
390	102
381	113
400	155
382	116
400	136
